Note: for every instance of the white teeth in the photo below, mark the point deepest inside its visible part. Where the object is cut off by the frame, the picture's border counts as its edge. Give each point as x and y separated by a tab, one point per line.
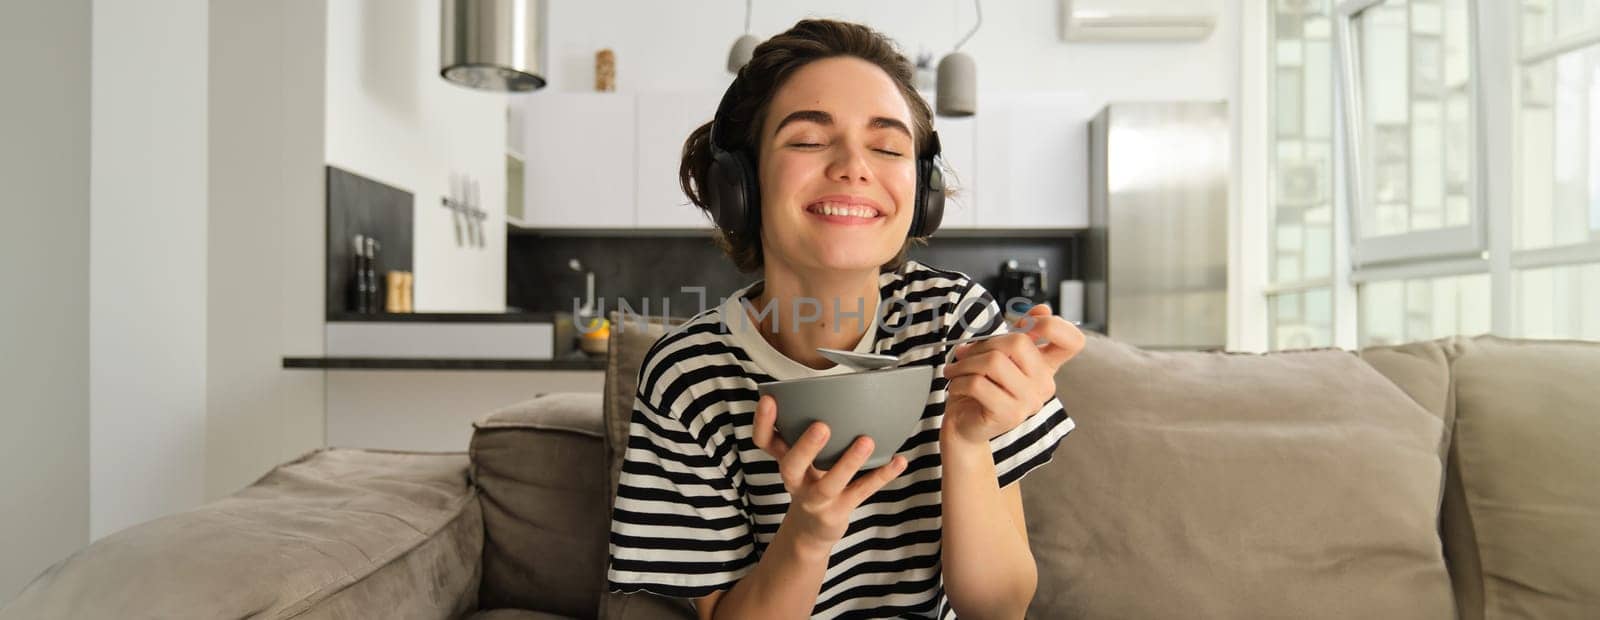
830	208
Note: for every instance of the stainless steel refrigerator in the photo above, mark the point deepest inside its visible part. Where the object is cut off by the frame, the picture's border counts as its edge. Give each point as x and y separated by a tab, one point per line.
1156	261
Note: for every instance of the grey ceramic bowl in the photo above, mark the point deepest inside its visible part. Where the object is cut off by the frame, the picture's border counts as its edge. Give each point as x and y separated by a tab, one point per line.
882	404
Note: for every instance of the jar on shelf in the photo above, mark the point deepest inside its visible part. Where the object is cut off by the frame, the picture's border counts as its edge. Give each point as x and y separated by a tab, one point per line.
605	71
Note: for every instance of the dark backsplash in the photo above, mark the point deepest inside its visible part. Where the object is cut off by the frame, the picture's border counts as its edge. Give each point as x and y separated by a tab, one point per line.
636	268
359	205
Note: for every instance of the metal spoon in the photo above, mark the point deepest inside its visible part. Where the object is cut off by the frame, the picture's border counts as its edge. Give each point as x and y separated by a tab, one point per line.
875	361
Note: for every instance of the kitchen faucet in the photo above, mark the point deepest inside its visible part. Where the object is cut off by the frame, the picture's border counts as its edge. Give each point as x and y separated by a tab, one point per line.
587	310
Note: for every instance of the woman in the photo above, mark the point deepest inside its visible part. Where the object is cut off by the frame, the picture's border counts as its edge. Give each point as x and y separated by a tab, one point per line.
712	504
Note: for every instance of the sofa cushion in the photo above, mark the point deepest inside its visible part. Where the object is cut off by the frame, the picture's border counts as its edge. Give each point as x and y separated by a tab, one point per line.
516	614
1211	485
540	465
625	354
1422	371
626	349
1522	513
334	534
411	584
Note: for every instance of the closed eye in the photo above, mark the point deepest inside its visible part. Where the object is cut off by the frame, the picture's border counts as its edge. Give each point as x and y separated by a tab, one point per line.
807	145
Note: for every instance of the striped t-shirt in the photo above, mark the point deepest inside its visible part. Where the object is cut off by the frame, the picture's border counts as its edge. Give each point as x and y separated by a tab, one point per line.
698	502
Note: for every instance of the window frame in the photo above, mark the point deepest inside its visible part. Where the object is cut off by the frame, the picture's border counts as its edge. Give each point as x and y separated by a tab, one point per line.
1520	261
1273	286
1438	243
1583	252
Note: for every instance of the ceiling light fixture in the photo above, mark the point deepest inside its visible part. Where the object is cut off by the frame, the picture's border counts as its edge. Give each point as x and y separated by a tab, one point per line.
957	82
744	47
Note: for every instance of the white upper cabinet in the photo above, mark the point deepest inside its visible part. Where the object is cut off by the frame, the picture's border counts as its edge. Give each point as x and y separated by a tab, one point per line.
579	150
956	142
610	161
1032	158
664	121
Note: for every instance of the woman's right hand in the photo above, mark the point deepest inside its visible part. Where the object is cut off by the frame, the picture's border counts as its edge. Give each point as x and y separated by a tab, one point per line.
820	501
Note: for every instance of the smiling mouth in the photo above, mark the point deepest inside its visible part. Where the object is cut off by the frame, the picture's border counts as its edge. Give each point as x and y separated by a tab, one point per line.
842	213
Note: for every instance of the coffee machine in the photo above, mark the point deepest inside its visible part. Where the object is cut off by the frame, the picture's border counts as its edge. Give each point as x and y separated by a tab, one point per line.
1023	281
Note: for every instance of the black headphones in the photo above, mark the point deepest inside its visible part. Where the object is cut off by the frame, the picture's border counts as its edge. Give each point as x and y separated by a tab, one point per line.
733	193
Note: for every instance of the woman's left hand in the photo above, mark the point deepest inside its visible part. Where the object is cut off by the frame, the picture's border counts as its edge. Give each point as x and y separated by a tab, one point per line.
998	383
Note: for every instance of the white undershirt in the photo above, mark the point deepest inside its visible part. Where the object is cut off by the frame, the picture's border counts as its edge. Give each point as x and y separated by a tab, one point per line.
747	334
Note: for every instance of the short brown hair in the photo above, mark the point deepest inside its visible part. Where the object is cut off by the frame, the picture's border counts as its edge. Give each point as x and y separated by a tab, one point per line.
773	62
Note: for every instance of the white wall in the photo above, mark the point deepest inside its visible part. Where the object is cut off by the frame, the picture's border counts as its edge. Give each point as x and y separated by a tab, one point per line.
1248	318
147	261
266	230
391	117
44	267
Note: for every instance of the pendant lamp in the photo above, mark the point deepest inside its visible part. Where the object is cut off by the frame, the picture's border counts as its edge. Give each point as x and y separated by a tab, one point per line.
957	83
744	47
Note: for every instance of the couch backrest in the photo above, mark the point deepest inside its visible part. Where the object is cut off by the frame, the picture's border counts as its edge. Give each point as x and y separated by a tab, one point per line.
1521	513
540	469
629	342
547	470
1230	484
626	350
1298	484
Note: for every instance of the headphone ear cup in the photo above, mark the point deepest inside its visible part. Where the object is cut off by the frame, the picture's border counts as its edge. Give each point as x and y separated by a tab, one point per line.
732	197
930	199
750	188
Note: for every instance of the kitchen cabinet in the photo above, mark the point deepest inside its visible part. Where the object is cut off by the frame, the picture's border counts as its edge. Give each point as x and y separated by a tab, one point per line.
664	121
579	167
1031	161
610	161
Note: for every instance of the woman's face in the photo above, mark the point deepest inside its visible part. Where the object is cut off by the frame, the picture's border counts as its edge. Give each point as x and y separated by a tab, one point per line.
837	169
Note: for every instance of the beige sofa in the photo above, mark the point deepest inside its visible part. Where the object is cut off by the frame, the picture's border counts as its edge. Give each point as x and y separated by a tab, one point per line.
1447	479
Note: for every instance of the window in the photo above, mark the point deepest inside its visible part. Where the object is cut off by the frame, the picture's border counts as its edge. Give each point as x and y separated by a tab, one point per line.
1556	215
1412	147
1547	21
1302	319
1380	208
1400	311
1560	170
1559	302
1300	217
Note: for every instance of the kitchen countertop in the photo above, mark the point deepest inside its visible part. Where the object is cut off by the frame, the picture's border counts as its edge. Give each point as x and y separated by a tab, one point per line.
444	317
570	362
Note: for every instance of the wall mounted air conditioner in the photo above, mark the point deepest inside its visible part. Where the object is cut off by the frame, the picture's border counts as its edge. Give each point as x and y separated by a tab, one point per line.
1138	20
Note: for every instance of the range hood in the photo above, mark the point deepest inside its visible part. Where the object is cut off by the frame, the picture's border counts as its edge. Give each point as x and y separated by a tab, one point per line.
493	44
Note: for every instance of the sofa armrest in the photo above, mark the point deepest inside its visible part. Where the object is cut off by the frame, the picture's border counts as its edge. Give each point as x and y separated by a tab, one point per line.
335	533
540	467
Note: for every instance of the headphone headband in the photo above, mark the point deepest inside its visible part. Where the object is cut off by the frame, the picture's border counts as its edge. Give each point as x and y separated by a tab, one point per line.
928	151
724	106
